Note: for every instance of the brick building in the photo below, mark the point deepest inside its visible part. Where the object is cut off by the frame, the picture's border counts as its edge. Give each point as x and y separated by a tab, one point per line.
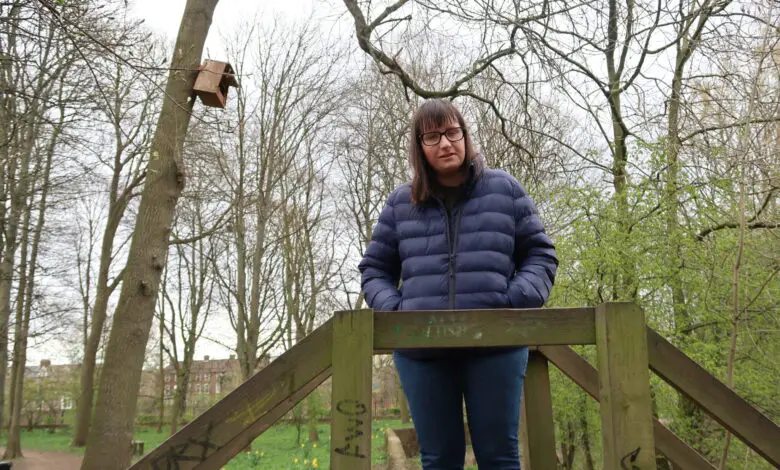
210	380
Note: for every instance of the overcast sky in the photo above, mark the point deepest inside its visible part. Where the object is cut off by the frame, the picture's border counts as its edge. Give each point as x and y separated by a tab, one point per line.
164	16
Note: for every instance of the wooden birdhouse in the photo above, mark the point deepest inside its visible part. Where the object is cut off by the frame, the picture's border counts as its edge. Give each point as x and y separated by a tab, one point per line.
213	82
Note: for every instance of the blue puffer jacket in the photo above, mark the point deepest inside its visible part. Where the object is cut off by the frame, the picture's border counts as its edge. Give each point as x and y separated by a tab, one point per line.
499	255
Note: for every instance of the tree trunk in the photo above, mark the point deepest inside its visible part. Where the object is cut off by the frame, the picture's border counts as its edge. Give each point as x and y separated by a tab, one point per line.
162	376
312	409
736	312
17	193
26	290
112	430
732	354
180	401
117	204
241	315
674	256
99	314
568	447
183	385
586	451
8	112
13	448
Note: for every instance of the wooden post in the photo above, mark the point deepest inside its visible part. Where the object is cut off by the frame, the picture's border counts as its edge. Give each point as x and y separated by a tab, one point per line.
539	429
624	387
353	350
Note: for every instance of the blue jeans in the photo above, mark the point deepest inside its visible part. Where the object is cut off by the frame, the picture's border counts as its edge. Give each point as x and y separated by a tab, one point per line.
491	383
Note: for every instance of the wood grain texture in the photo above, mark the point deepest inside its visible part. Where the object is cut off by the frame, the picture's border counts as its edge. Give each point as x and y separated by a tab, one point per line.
474	328
225	453
353	339
624	387
539	424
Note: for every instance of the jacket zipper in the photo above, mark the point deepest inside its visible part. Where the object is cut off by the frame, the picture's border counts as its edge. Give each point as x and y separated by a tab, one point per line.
452	242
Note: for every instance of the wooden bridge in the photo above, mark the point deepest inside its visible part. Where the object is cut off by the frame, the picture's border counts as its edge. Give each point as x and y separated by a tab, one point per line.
344	345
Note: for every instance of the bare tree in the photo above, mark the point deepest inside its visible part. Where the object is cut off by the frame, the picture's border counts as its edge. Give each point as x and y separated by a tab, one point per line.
128	113
35	60
30	250
291	79
371	144
309	236
187	292
112	427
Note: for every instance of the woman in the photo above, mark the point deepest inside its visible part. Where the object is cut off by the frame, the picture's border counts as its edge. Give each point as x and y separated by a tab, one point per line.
459	236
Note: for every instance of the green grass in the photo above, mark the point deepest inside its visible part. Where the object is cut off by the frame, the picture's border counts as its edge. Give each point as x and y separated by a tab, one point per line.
274	449
277	449
57	441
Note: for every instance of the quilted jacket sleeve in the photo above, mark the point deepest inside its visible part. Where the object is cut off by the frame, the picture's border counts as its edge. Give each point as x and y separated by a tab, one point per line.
534	255
380	268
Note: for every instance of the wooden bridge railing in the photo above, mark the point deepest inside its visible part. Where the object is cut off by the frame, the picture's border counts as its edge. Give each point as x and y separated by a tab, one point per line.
344	345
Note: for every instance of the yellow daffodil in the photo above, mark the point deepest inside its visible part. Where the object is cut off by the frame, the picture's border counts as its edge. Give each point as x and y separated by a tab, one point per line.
314	464
295	460
314	445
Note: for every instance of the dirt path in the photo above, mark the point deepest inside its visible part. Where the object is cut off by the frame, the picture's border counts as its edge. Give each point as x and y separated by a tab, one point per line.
36	460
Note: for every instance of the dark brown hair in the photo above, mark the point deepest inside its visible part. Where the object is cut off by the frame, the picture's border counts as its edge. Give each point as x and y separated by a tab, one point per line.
430	115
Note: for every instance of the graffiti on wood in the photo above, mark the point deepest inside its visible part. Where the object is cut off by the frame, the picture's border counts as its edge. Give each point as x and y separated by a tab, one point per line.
353	410
195	449
258	408
629	459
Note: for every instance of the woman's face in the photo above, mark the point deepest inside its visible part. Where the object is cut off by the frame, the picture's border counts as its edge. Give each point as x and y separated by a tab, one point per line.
446	157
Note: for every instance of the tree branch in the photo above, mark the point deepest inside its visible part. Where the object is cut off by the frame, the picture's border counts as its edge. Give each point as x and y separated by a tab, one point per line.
217	225
729	126
363	33
756	225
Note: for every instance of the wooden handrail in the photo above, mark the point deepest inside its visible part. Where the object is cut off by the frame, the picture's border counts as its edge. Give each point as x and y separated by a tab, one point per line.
718	400
483	328
586	376
225	453
223	430
214	437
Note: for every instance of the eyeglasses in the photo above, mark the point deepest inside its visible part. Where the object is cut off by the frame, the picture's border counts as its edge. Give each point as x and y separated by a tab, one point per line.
430	139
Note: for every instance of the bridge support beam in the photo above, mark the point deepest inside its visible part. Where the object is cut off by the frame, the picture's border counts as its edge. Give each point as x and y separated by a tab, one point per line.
538	424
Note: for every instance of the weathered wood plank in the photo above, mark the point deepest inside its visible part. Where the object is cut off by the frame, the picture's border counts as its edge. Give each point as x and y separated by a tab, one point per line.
624	387
229	418
225	453
719	401
539	424
464	328
586	376
353	339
